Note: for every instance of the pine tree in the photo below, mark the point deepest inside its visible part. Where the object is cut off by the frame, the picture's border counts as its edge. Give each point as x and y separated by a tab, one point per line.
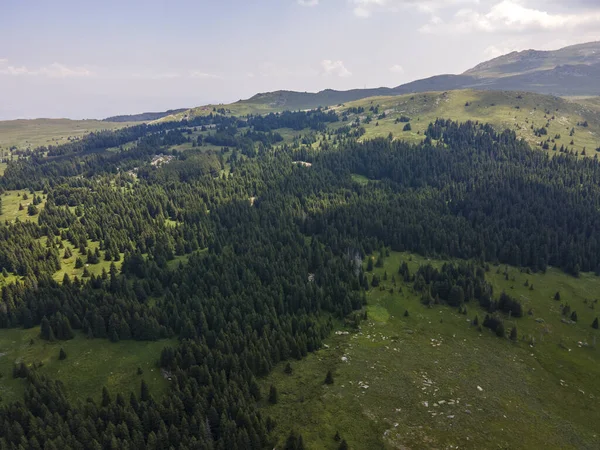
288	369
329	377
595	323
500	332
513	334
46	332
62	354
105	397
144	392
557	296
406	313
343	445
273	396
574	316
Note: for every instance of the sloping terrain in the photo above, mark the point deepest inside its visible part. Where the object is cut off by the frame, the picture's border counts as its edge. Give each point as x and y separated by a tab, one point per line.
143	117
525	113
571	71
29	134
429	378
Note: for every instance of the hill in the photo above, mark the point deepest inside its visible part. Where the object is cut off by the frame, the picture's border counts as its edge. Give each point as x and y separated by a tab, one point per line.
24	133
525	113
143	117
530	61
571	71
434	380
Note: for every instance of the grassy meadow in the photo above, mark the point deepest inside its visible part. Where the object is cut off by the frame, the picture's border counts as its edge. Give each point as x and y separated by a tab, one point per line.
10	206
29	134
432	380
90	364
504	110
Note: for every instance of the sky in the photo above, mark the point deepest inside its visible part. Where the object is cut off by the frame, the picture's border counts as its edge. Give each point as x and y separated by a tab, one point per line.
81	59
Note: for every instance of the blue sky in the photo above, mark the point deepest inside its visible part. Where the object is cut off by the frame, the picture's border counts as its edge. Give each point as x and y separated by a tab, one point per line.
80	59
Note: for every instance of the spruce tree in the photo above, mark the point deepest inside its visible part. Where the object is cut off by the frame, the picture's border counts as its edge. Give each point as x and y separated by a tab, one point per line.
513	334
62	354
329	377
46	332
273	396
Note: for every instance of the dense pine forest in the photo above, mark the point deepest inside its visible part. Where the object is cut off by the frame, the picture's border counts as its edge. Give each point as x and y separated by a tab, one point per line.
248	248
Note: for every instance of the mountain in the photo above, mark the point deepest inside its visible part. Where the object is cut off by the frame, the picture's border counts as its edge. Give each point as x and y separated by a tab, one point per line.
570	71
531	61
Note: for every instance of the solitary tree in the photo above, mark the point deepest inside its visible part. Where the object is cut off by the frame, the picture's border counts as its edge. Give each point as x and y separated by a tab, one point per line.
329	377
513	334
500	332
595	323
273	396
62	355
288	369
574	316
557	296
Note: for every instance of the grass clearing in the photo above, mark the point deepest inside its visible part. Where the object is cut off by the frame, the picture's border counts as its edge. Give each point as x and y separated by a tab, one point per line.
90	364
10	206
432	380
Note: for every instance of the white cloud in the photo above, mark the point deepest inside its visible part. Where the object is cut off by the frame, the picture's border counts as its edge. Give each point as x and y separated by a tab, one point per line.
514	16
54	70
335	68
200	74
397	68
308	2
365	8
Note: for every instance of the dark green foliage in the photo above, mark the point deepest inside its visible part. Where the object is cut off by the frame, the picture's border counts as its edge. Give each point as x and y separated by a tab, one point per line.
329	377
513	334
32	210
557	296
595	323
343	445
407	127
574	316
406	313
273	395
288	369
46	332
294	442
500	332
62	354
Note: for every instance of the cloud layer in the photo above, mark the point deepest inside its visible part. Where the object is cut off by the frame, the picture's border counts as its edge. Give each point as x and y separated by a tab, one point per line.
54	70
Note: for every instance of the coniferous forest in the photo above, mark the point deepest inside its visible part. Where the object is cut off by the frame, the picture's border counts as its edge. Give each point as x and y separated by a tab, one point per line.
248	248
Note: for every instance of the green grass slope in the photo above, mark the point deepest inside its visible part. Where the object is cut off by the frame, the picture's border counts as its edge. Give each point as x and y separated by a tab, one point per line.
25	134
432	380
516	111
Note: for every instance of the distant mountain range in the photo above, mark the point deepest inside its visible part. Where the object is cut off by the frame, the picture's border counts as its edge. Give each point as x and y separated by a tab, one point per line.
570	71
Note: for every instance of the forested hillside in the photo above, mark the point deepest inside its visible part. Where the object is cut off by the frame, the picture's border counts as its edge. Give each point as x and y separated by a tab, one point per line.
243	238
